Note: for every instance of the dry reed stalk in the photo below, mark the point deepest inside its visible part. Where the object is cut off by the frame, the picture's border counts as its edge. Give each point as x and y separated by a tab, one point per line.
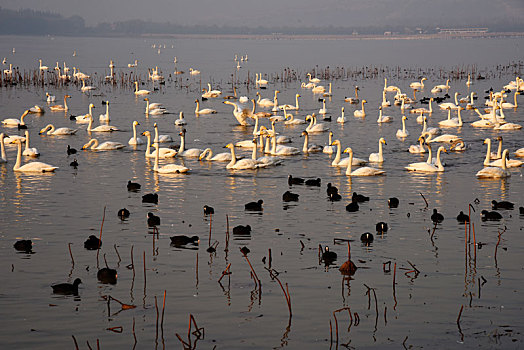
424	199
100	237
76	344
225	272
257	280
118	254
163	310
71	254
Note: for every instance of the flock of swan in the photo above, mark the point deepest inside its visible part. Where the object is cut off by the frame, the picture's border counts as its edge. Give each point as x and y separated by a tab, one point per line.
269	140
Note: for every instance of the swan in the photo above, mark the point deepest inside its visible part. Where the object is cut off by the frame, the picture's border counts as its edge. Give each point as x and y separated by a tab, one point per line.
85	88
59	131
84	119
308	85
510	105
323	110
190	153
291	107
471	102
329	149
450	123
154	108
3	158
519	152
241	164
36	109
290	120
353	100
282	150
313	127
314	80
220	157
164	152
240	114
427	166
279	139
329	93
43	67
15	122
199	111
390	88
458	146
378	157
506	126
264	161
100	128
264	102
29	151
449	138
360	112
404	105
105	117
307	148
135	140
495	171
180	121
63	107
439	88
498	154
383	118
451	105
417	85
31	166
169	168
432	131
140	92
403	133
342	119
385	102
364	171
161	138
260	81
104	146
319	89
422	109
469	82
210	93
13	139
510	163
418	148
50	98
194	71
275	102
132	65
344	162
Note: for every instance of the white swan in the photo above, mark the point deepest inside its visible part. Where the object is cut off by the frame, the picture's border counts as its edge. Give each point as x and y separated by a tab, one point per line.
264	102
439	88
342	119
360	112
132	65
154	108
448	138
432	131
50	98
100	128
43	67
307	148
85	88
452	122
135	140
105	117
169	168
402	133
344	162
140	92
319	89
510	163
451	105
378	157
519	152
329	93
458	146
260	81
279	138
383	118
315	127
291	120
495	172
29	151
264	161
163	151
329	149
241	164
353	100
422	109
32	167
364	171
63	107
220	157
15	122
390	88
418	148
161	138
498	154
189	153
469	82
240	114
194	71
199	111
104	146
84	119
282	150
3	158
427	166
210	93
308	85
417	85
314	80
385	102
13	139
180	121
291	107
59	131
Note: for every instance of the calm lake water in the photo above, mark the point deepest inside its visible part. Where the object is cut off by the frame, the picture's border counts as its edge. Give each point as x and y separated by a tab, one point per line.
421	310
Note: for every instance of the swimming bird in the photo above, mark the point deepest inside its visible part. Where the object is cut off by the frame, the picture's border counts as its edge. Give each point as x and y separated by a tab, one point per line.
100	128
140	92
150	198
105	117
331	189
381	227
360	112
502	205
344	162
107	275
393	202
74	163
163	152
181	240
363	171
29	151
307	148
417	85
352	207
290	197
67	288
15	122
133	186
242	230
383	118
50	130
92	243
152	220
403	133
241	164
135	140
208	210
294	180
180	121
220	157
254	206
462	218
85	88
189	153
490	215
64	107
199	111
169	168
328	257
24	245
313	182
366	238
495	171
428	166
342	119
39	167
378	157
104	146
123	213
436	217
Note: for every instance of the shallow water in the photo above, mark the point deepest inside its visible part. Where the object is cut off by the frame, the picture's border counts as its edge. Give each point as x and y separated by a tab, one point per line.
66	207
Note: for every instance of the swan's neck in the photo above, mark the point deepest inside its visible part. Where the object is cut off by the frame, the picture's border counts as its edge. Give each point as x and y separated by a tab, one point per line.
274	144
356	93
449	114
182	143
26	140
430	155
306	142
296	98
456	101
254	153
134	131
90	124
255	130
90	110
148	147
197	107
65	103
459	117
380	154
430	106
136	86
311	124
350	163
499	150
425	126
421	144
51	129
330	137
515	97
267	148
157	155
504	164
337	156
259	98
488	153
147	106
403	124
95	143
107	110
209	153
438	163
18	157
2	146
233	157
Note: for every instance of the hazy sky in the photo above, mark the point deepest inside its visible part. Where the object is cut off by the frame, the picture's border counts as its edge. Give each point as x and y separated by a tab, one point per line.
285	12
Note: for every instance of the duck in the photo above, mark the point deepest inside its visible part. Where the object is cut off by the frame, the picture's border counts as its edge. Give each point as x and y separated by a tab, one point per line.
307	148
428	166
342	119
135	140
104	146
383	118
133	186
353	100
180	121
290	197
254	206
100	128
378	157
360	113
393	202
189	153
363	171
199	111
15	122
64	107
67	288
502	205
403	133
140	92
344	162
490	215
92	243
29	151
163	151
31	167
150	198
152	220
495	172
437	217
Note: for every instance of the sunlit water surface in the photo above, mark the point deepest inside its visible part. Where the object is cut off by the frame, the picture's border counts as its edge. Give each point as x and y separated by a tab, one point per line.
66	207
